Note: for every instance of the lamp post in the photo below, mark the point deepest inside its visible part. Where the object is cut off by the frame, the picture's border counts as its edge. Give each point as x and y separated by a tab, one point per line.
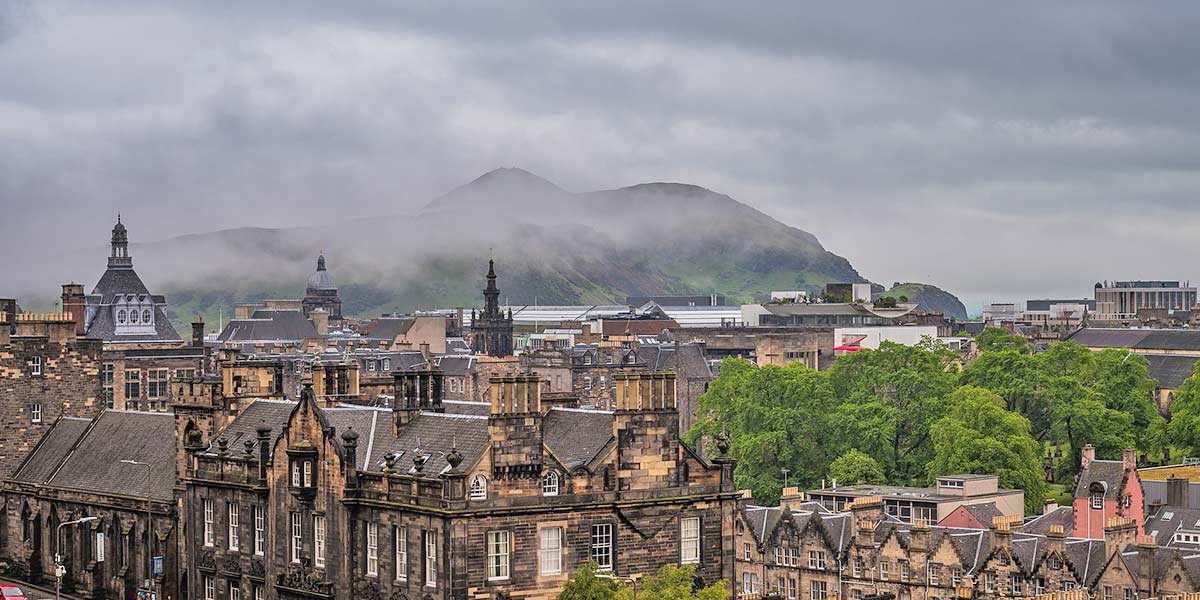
149	528
58	566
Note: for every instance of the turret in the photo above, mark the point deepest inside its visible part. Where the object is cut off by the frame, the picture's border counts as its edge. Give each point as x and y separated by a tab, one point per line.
119	257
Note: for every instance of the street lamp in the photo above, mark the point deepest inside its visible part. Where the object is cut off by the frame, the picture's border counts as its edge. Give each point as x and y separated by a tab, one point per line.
149	520
58	566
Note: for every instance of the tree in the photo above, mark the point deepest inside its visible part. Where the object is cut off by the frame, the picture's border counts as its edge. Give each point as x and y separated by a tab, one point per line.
673	583
1184	428
993	339
855	468
776	418
889	399
980	436
584	584
1012	376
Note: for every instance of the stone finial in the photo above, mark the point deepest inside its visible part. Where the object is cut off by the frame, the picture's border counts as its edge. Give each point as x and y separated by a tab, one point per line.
222	446
249	444
350	438
389	462
723	443
419	461
455	458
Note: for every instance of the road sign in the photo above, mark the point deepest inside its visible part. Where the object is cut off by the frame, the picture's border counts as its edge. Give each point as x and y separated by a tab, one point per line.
156	565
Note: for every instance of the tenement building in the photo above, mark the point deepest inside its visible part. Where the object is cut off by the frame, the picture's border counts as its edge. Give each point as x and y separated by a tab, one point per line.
433	499
805	550
492	330
46	372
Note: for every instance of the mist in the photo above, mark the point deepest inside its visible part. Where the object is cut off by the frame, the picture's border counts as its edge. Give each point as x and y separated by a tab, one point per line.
1001	152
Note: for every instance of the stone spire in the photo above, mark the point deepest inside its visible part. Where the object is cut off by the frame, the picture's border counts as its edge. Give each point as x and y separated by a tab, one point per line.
491	293
119	257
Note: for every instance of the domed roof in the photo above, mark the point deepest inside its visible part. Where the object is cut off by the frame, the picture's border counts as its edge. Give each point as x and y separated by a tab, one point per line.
320	279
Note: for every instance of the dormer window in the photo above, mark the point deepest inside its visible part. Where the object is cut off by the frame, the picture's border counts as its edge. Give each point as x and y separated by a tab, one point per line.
550	484
121	316
303	472
146	315
1096	495
478	490
133	316
387	364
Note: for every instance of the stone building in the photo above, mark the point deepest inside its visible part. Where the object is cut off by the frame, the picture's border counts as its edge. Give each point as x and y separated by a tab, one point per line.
46	372
492	330
121	310
1106	489
805	550
436	499
320	292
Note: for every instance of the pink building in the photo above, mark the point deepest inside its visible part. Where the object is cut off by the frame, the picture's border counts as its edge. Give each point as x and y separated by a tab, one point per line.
1107	489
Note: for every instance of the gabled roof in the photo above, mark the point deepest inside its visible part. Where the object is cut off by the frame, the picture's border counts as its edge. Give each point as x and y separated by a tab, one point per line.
1109	473
93	461
272	413
1169	371
269	325
575	436
1138	339
1040	525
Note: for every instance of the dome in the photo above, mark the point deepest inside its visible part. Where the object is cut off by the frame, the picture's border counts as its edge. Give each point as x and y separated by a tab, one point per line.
320	279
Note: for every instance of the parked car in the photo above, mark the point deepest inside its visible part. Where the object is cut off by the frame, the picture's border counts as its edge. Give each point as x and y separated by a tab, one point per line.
11	592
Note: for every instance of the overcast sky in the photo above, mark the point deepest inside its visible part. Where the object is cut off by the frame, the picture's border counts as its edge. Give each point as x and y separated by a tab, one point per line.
1002	150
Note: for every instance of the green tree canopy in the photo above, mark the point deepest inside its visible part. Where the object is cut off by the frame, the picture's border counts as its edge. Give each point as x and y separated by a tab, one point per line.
994	339
1184	428
980	436
669	583
855	468
776	418
890	397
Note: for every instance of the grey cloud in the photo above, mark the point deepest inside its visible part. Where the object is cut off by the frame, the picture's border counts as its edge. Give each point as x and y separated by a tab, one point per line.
997	149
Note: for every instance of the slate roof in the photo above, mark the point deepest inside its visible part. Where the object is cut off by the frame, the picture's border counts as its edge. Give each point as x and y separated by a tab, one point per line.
460	407
1088	557
1166	520
118	280
272	413
40	464
1040	525
686	360
1138	339
1111	473
93	462
457	345
269	325
1170	371
434	434
984	512
104	328
456	365
389	328
575	436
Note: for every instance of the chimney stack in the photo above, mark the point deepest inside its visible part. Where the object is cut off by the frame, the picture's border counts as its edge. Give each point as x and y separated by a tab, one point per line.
320	321
74	303
5	327
1120	532
1129	459
198	332
1178	492
1086	456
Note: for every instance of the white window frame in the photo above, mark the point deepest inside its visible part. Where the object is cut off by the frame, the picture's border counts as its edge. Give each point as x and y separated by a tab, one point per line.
1097	501
296	473
35	412
689	540
793	588
498	553
235	590
478	488
550	550
35	365
232	510
431	571
818	589
400	552
931	574
602	545
297	538
210	588
259	529
550	483
319	540
209	517
307	464
816	560
372	549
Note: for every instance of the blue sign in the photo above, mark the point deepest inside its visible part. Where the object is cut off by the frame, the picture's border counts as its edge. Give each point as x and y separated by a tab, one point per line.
156	565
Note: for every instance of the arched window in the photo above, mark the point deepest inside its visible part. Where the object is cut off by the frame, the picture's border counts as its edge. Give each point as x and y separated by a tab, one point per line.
146	316
121	316
550	484
133	316
478	489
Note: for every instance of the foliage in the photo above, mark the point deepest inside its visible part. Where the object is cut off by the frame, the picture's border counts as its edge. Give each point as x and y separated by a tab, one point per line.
980	436
584	584
673	583
993	339
855	468
670	583
776	418
889	399
885	302
1184	429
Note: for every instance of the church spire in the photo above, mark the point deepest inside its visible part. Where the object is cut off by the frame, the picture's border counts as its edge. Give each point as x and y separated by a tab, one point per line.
491	294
